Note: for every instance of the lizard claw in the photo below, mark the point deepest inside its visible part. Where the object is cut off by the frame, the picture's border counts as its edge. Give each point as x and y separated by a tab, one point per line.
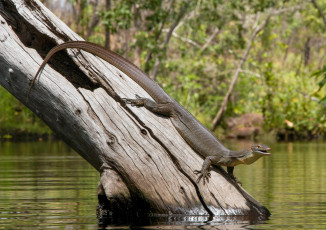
236	180
198	179
205	175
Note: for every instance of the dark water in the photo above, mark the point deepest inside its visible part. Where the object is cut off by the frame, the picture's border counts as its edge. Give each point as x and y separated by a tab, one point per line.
46	185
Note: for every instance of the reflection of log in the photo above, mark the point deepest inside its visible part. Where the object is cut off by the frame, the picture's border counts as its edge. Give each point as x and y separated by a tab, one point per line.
142	159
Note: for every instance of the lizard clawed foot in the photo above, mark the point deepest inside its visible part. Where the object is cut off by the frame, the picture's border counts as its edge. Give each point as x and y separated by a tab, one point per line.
203	174
138	102
236	180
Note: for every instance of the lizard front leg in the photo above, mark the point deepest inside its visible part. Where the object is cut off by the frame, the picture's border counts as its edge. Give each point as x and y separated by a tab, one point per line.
163	109
204	172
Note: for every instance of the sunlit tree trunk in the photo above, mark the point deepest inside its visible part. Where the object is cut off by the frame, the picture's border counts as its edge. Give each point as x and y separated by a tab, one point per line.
107	30
95	19
180	15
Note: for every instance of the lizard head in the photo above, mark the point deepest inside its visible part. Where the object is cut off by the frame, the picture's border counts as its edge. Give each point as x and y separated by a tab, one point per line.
255	152
260	149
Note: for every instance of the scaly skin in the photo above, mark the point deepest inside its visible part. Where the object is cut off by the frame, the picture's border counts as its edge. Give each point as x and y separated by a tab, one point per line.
193	132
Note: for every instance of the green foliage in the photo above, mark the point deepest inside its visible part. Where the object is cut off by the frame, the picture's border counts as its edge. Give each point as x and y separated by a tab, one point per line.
291	105
16	118
118	18
275	80
321	74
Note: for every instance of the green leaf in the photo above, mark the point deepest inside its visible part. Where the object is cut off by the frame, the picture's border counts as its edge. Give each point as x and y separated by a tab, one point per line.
322	83
319	72
323	100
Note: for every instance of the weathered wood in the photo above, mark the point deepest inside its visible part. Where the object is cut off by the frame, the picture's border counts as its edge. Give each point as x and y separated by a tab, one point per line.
142	158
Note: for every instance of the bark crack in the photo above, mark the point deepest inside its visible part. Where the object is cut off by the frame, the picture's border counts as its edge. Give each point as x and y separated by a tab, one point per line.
139	145
122	147
108	133
216	200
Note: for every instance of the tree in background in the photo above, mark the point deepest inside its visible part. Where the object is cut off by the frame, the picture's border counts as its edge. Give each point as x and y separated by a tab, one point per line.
197	51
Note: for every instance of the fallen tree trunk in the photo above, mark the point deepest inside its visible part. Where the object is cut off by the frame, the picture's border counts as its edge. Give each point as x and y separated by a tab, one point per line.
145	165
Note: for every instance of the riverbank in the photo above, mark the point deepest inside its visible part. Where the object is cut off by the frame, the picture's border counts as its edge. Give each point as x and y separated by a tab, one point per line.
275	135
22	136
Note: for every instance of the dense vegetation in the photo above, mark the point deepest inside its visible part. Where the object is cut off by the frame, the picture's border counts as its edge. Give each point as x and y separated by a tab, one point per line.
18	121
273	50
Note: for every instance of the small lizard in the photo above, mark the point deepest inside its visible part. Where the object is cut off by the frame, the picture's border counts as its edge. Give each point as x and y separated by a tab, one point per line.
203	141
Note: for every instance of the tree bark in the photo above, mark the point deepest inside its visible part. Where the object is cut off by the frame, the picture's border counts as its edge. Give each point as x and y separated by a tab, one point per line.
95	19
319	10
107	29
168	37
210	39
145	165
157	36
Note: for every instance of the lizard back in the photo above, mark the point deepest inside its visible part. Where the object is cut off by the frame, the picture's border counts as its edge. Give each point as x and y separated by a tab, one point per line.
202	140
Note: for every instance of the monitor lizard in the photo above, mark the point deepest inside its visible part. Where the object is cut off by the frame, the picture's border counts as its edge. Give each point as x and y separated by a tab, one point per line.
201	139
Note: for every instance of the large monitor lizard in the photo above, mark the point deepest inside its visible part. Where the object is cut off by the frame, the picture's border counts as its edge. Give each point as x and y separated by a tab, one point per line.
203	141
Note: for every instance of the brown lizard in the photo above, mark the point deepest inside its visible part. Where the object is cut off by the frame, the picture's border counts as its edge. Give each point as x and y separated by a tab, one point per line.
203	141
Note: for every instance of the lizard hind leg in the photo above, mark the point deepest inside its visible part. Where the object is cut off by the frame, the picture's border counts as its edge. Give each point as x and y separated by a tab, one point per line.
138	102
163	109
230	172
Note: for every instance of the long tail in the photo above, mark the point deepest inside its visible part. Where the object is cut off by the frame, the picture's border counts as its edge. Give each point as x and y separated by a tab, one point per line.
132	71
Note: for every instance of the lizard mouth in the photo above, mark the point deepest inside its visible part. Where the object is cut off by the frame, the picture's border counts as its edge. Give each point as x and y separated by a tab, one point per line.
264	151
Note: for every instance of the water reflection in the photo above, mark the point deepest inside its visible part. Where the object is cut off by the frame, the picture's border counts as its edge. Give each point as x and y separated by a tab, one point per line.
47	185
291	183
180	221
